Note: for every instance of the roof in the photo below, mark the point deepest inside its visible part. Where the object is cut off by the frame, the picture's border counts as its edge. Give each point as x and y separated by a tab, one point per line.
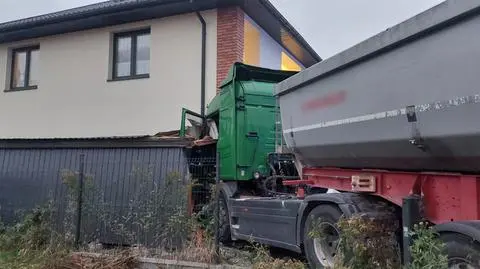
243	72
430	21
145	141
124	11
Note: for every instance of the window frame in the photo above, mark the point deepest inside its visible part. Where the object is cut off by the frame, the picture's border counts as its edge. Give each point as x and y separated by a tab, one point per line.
28	50
133	54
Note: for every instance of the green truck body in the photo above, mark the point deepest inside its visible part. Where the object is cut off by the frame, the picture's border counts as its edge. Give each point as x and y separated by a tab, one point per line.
245	111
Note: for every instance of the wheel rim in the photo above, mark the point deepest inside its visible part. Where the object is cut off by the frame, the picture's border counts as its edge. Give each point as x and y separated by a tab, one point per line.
327	245
460	263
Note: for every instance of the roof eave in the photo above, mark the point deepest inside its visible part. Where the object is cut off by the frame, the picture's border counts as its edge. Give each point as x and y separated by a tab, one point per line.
101	18
270	7
276	25
90	18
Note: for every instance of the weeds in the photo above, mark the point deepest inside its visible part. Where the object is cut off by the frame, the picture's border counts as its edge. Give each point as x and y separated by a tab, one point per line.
368	243
199	249
152	213
30	243
428	251
261	259
32	233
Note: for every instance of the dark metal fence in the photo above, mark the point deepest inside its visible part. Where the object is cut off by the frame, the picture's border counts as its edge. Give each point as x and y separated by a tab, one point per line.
109	196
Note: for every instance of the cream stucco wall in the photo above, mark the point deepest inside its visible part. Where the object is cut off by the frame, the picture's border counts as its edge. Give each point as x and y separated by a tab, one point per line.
74	99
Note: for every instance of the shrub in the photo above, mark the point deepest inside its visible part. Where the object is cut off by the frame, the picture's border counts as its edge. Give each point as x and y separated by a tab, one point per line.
30	243
428	251
32	233
367	243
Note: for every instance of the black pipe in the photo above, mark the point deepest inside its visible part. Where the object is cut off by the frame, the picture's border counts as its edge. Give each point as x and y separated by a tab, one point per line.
410	216
204	52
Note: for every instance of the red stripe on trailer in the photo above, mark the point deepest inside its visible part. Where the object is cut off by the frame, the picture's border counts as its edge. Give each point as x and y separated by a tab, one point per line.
329	100
446	197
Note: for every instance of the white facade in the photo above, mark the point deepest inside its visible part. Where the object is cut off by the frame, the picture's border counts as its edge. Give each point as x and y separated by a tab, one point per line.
75	99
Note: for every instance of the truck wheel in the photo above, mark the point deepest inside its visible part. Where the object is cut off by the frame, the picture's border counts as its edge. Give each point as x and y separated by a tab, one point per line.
224	220
463	253
321	251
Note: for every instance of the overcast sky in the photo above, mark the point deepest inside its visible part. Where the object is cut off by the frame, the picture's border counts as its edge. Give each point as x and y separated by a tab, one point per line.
330	26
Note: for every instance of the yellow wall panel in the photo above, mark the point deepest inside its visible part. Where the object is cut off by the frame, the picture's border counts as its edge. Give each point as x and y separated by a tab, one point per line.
251	50
289	64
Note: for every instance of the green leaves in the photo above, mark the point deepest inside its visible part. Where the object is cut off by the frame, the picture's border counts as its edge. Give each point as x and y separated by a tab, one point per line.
428	251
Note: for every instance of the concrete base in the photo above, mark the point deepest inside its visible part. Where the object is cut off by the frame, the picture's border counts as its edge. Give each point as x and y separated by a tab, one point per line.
152	263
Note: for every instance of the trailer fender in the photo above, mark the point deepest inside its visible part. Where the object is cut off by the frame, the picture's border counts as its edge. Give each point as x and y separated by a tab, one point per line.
343	200
467	228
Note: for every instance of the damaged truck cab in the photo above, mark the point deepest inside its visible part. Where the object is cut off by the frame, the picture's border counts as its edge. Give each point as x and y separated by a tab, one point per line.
242	123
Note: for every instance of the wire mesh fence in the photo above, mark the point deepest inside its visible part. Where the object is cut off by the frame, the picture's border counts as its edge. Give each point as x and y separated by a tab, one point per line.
117	203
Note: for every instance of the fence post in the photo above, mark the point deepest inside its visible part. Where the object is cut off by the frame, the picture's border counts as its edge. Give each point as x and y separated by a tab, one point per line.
217	207
79	200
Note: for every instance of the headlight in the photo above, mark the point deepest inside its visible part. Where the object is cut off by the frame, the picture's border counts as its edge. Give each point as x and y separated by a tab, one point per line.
257	175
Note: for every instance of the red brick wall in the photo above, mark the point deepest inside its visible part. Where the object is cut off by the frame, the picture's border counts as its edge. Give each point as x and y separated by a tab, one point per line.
230	24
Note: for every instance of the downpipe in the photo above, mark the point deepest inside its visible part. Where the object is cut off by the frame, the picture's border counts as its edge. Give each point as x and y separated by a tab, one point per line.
203	64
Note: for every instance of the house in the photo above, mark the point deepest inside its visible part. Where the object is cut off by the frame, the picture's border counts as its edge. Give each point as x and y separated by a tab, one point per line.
126	68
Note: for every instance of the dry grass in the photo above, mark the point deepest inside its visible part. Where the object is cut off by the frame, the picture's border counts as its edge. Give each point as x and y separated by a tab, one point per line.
199	249
261	259
124	260
280	264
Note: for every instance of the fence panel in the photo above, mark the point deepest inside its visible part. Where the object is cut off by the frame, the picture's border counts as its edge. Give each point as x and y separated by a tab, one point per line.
130	196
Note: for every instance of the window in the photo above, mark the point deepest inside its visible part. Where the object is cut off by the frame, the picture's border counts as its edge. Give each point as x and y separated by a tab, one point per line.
131	55
24	69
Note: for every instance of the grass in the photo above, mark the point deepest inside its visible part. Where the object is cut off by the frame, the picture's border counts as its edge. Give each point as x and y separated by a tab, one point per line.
30	260
261	259
364	244
6	255
28	244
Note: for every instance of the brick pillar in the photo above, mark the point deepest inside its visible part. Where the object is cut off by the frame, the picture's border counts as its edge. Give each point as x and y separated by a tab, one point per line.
230	24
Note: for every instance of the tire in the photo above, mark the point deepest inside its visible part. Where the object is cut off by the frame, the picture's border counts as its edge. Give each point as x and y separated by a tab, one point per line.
224	220
462	251
329	216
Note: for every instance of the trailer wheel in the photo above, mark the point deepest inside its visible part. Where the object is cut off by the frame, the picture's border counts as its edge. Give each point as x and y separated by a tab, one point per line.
224	220
462	252
321	251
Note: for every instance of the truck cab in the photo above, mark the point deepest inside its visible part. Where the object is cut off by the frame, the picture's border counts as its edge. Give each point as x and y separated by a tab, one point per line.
241	124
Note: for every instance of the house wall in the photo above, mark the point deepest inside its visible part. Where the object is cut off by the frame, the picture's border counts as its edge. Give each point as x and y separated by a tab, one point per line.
262	50
241	39
74	98
230	45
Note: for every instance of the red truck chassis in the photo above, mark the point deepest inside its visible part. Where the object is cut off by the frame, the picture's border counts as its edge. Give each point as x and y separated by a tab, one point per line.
445	197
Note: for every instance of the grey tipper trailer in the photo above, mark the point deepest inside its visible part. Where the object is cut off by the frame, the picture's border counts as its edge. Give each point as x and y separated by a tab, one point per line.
407	99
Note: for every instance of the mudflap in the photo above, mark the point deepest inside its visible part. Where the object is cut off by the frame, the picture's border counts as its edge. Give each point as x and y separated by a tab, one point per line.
270	221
